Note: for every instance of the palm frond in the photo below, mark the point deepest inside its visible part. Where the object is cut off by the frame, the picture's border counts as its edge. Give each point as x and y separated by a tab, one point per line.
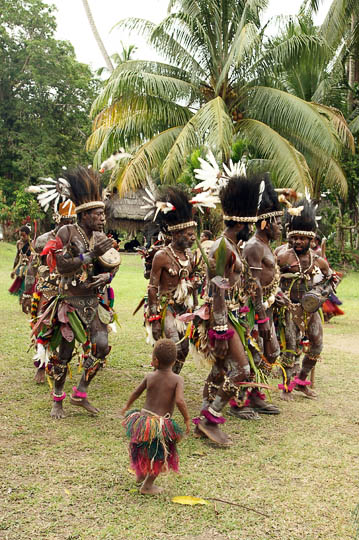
337	20
131	83
337	120
212	126
354	125
284	111
289	165
149	156
244	42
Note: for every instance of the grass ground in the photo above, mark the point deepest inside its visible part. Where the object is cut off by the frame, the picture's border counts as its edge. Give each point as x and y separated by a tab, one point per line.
69	479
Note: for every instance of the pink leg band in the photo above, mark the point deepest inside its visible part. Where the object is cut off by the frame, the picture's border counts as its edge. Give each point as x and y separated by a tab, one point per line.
58	398
300	382
76	393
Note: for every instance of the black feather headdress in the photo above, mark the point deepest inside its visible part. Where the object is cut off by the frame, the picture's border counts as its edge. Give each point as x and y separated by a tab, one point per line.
171	210
301	222
269	205
239	199
85	188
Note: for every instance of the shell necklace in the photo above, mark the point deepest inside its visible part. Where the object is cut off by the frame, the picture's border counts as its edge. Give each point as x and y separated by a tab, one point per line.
83	236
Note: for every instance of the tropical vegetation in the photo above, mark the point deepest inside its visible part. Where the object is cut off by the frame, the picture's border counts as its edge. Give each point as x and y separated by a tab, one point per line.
222	82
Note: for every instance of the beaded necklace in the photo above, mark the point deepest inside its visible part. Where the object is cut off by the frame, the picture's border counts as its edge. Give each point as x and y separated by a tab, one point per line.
83	236
177	259
299	264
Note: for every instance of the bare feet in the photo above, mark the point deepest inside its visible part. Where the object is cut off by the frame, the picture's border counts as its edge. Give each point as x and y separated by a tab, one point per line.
57	411
307	392
244	413
213	433
148	487
286	396
151	490
140	478
197	433
83	402
40	376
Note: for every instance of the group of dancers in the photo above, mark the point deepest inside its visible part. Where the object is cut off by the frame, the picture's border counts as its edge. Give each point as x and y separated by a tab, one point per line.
237	305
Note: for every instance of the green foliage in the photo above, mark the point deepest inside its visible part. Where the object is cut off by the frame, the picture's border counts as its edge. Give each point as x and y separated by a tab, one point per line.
219	84
45	95
22	209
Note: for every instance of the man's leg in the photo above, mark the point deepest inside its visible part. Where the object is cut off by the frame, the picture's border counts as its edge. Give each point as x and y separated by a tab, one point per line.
315	336
93	362
237	370
289	358
59	374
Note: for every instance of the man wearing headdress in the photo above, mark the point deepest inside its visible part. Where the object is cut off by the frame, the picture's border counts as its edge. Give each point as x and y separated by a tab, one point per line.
172	288
86	263
305	279
262	263
41	285
221	337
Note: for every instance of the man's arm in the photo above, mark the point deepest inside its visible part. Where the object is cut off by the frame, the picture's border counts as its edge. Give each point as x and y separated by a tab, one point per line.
254	256
181	404
158	263
66	264
135	395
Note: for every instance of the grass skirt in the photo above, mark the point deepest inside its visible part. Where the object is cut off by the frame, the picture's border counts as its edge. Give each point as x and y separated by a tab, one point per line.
152	442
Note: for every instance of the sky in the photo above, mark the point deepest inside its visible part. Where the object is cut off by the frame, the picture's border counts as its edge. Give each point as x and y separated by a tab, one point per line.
73	25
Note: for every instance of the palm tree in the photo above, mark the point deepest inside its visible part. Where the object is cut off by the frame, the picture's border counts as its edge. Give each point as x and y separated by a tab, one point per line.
340	28
209	92
97	36
315	77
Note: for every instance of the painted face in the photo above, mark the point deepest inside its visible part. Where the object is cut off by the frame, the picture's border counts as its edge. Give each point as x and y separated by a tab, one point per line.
276	228
24	236
300	244
185	238
95	219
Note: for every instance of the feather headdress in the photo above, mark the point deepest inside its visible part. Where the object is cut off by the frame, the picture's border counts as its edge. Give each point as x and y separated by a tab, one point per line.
172	210
51	192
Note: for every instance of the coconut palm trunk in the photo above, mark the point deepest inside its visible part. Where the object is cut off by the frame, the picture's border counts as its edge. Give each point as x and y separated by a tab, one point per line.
97	36
353	66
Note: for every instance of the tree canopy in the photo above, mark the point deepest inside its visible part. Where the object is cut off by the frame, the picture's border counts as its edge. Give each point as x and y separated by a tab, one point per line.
218	85
45	96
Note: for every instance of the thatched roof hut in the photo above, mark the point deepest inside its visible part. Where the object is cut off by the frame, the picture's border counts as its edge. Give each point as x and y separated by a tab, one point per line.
125	213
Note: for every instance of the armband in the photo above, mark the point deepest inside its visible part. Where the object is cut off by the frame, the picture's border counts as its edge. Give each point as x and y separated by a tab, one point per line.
262	321
154	318
86	257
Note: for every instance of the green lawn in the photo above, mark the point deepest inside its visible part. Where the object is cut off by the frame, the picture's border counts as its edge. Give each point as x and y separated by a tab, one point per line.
69	479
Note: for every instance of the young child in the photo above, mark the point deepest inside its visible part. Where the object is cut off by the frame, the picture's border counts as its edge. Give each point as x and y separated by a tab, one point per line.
153	434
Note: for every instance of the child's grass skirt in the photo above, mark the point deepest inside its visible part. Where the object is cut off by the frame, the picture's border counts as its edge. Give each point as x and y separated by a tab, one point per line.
152	442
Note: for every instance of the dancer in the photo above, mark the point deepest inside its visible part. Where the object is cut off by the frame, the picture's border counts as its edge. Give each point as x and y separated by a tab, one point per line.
86	263
41	285
172	289
220	336
307	280
152	432
265	271
23	253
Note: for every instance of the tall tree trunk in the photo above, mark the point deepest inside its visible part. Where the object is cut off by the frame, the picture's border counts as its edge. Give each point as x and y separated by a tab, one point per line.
97	36
353	66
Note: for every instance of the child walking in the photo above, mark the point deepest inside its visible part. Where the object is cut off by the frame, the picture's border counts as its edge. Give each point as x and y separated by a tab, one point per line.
152	432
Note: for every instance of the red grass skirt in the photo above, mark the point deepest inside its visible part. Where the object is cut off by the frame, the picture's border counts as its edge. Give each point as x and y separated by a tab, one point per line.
153	443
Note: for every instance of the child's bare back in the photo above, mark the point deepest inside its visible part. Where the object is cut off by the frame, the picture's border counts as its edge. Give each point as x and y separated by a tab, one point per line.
162	387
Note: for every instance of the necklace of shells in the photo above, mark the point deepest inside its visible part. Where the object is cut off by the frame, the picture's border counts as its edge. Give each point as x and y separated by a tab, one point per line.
183	273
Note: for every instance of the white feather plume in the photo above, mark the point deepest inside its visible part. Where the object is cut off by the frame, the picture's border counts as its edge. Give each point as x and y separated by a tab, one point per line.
110	162
262	186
